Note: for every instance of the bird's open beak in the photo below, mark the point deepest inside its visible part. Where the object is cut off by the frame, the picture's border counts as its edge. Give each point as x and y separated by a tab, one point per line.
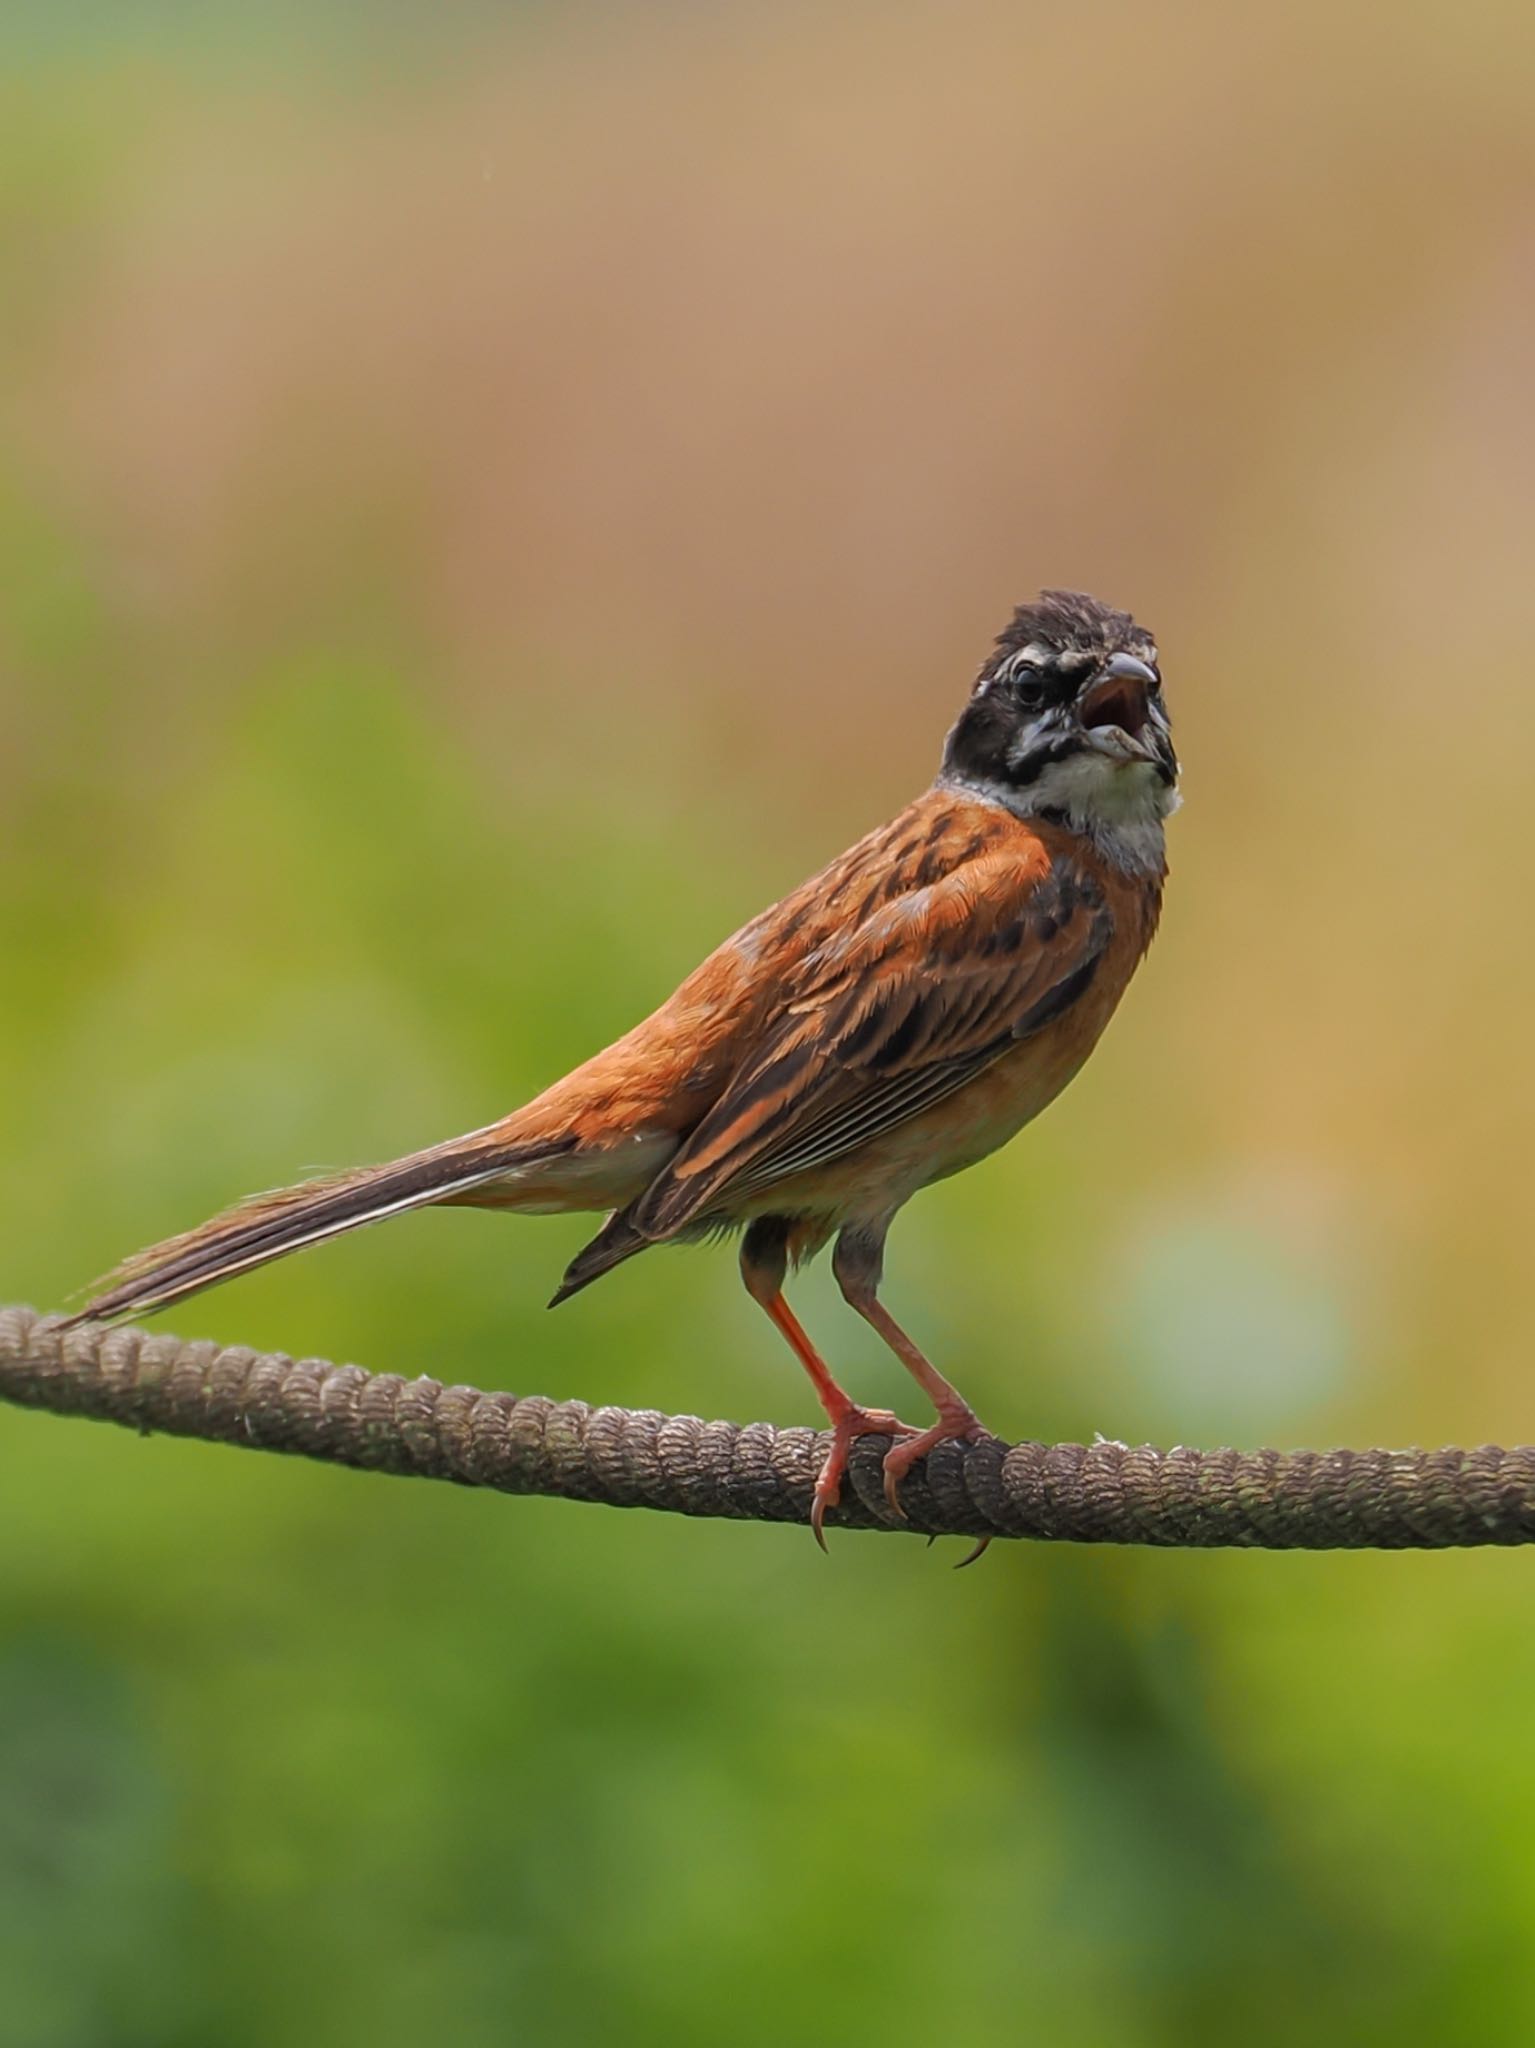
1119	695
1119	718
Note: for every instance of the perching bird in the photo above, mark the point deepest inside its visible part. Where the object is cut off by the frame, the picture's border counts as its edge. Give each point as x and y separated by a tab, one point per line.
893	1020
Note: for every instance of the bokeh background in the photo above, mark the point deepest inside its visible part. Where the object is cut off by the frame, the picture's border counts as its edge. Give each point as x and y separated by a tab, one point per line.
488	498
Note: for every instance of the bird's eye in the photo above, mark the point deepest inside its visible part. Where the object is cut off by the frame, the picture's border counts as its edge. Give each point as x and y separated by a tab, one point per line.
1028	685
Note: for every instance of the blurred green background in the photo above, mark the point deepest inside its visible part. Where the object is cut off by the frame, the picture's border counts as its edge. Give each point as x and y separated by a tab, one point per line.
487	500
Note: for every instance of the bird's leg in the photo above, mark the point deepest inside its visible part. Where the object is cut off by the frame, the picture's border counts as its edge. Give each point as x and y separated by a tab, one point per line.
858	1264
764	1263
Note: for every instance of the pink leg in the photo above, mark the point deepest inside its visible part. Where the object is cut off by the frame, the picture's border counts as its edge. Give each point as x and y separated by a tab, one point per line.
848	1420
857	1266
957	1420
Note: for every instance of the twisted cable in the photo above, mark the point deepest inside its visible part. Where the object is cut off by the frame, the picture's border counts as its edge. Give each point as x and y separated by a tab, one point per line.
1080	1493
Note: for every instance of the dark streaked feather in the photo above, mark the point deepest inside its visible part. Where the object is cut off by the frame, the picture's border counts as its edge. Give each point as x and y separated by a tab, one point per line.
1068	619
908	1006
616	1241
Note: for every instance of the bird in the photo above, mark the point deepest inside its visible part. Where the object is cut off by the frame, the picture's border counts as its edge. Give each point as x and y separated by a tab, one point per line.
895	1019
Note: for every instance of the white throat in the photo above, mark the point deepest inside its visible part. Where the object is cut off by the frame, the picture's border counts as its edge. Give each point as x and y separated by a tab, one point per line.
1120	805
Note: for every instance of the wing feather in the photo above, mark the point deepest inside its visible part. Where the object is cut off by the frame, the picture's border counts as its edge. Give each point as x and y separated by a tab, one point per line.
885	1020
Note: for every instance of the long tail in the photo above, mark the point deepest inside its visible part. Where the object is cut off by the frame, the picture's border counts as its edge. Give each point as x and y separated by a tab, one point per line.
269	1226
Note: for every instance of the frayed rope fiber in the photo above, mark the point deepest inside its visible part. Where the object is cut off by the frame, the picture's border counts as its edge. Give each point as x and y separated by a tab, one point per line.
632	1458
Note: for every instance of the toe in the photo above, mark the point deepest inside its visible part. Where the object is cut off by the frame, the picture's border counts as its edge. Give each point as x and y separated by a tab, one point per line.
960	1427
828	1490
851	1425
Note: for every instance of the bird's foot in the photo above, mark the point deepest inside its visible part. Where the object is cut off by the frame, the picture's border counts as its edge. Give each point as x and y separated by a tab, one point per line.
848	1425
957	1423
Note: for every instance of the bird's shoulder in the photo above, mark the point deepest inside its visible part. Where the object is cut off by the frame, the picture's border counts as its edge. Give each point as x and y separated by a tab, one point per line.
951	891
945	857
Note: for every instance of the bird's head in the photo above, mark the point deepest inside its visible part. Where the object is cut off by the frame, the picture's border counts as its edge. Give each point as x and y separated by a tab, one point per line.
1066	718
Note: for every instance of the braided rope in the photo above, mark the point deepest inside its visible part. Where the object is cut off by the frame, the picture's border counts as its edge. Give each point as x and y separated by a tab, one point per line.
1083	1493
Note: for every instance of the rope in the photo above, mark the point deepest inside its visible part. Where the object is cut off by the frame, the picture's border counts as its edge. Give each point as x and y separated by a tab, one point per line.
1081	1493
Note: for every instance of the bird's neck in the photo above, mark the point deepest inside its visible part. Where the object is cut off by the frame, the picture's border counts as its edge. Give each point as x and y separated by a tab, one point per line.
1120	811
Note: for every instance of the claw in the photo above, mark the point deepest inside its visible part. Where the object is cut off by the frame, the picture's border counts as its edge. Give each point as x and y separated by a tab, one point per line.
850	1425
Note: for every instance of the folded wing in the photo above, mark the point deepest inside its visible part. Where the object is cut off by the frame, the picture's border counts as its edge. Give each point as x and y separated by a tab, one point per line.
883	1021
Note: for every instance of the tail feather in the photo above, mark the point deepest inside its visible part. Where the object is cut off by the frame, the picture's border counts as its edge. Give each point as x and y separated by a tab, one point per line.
269	1226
